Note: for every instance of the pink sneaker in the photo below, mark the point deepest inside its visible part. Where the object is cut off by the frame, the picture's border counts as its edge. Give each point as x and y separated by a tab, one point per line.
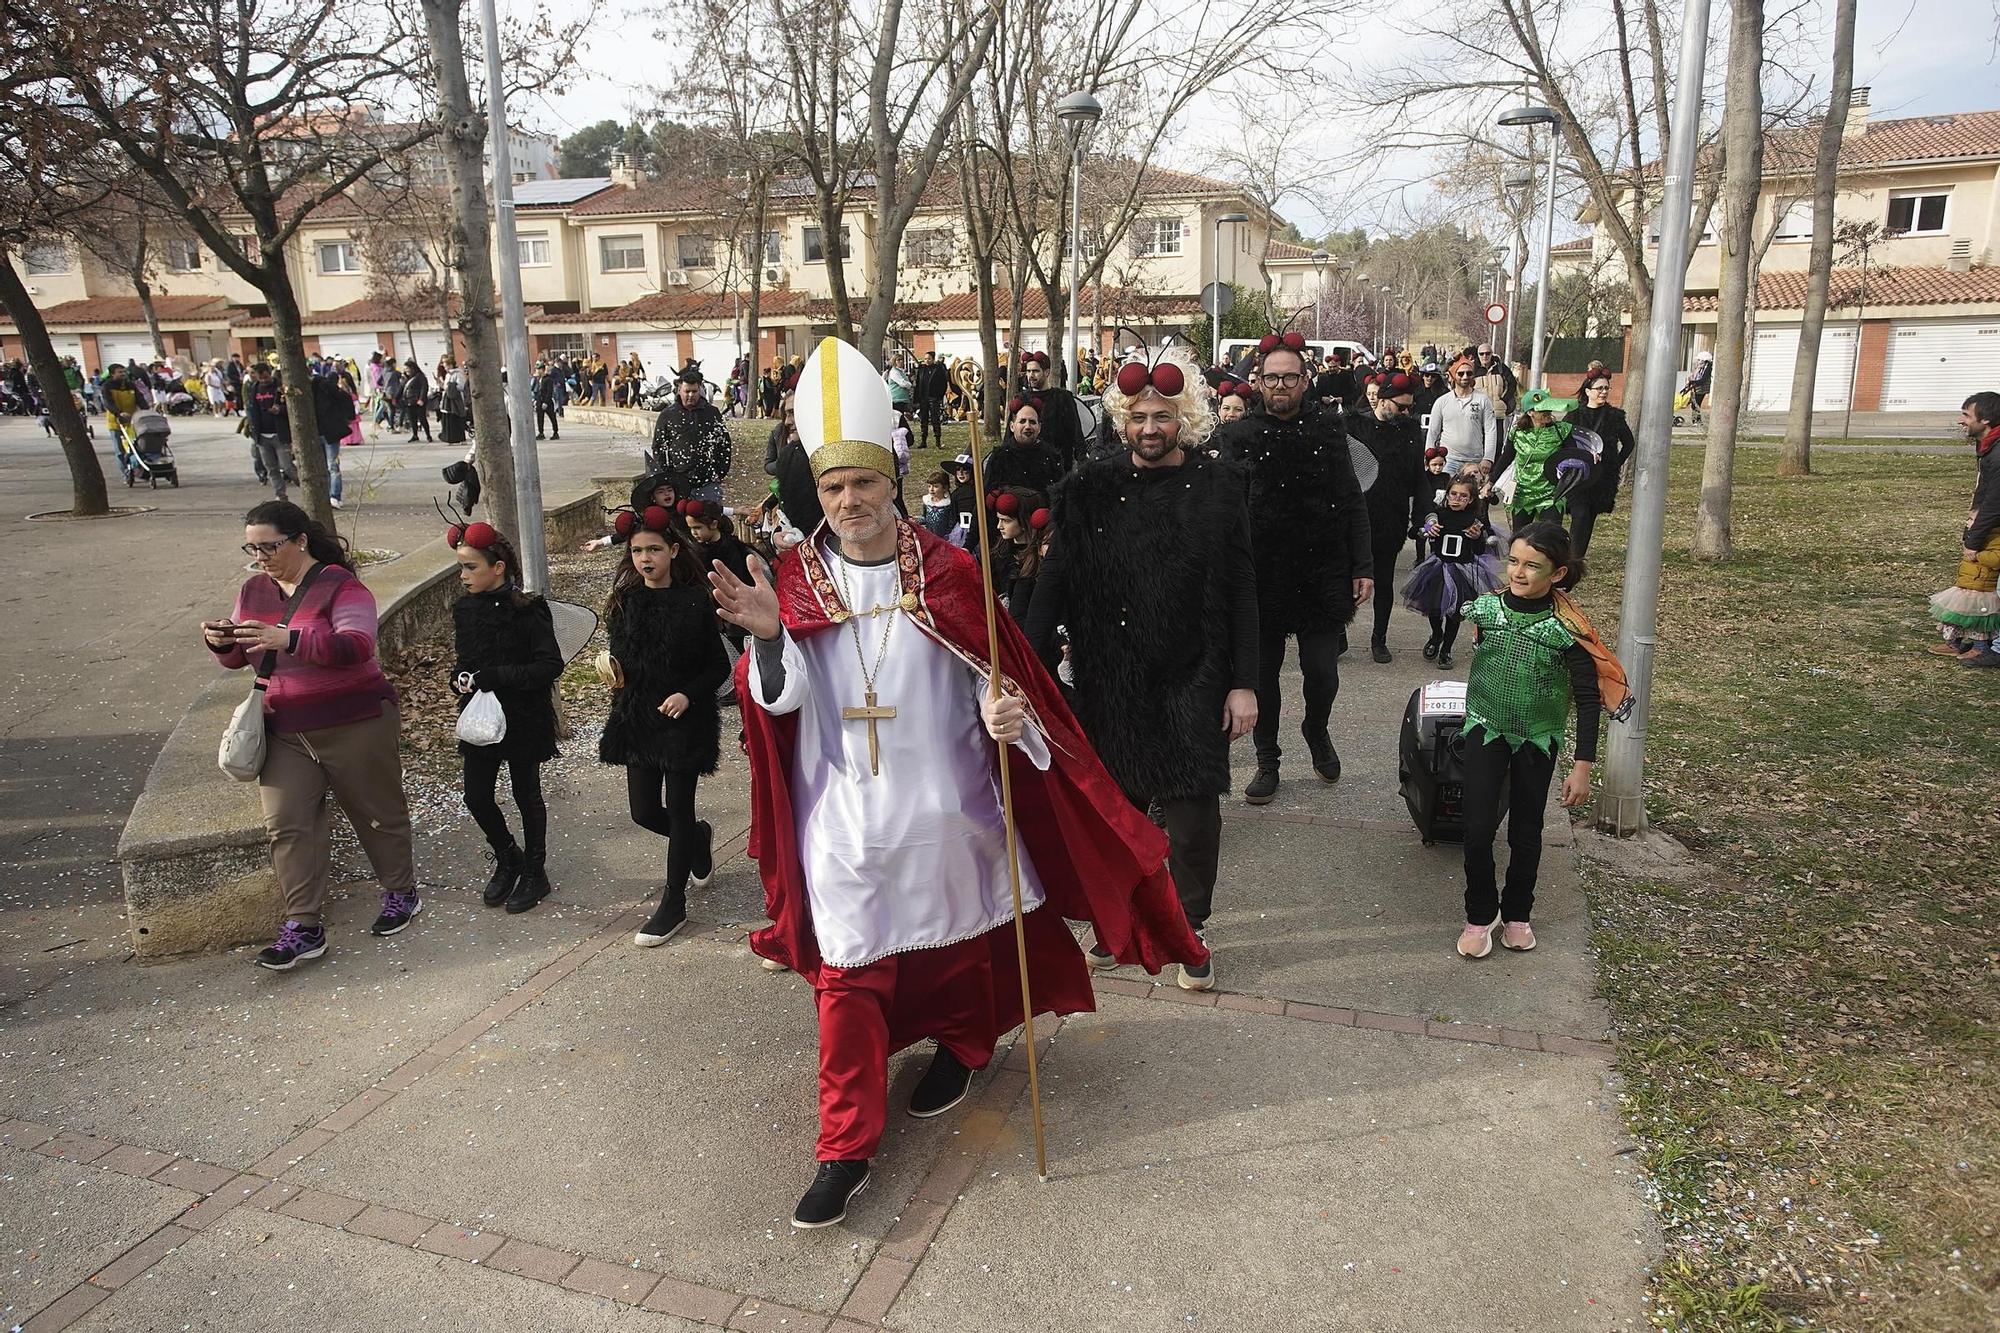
1475	941
1517	935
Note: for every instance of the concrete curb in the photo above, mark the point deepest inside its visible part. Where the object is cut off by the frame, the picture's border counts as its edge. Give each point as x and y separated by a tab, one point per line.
193	854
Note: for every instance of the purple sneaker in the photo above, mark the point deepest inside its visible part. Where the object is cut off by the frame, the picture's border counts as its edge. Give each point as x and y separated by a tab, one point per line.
397	909
296	944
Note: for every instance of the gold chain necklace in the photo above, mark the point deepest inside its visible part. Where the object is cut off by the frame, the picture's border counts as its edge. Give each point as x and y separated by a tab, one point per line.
871	712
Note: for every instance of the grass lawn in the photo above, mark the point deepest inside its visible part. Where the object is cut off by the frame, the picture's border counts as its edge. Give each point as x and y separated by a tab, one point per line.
1808	1028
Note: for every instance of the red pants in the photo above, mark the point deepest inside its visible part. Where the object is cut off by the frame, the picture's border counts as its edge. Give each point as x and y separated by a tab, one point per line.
950	985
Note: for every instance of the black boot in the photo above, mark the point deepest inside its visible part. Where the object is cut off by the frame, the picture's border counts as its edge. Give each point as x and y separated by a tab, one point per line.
1325	759
702	869
506	872
1378	648
1264	786
532	887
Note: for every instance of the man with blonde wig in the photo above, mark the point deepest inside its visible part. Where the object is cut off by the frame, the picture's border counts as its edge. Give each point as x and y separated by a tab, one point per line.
1149	569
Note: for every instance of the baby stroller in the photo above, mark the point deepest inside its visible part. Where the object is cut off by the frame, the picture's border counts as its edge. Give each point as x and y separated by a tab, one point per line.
143	452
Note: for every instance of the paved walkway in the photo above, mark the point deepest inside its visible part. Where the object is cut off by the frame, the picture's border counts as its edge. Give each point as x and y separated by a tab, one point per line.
503	1122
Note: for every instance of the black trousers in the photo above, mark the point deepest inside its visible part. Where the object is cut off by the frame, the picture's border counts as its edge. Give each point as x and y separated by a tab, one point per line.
420	420
1319	660
930	419
1527	771
546	413
1445	629
663	802
1582	522
482	776
1194	847
1386	552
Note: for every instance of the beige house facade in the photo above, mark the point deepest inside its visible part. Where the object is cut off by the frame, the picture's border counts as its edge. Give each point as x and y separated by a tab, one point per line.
662	269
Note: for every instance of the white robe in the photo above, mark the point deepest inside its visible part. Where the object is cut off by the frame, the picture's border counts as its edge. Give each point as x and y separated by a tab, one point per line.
917	857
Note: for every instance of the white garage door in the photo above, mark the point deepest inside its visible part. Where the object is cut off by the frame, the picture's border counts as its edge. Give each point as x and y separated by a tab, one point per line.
1935	364
359	346
716	350
1774	356
958	343
428	351
659	353
68	344
118	348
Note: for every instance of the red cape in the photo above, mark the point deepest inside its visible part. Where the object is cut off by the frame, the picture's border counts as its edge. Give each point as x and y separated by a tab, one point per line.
1100	860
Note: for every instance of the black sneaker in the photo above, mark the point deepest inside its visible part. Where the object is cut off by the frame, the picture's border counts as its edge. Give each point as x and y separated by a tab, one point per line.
1431	649
1379	650
1325	759
506	871
531	888
942	1087
703	868
665	923
1202	977
1444	660
295	944
825	1203
1263	787
1101	958
398	910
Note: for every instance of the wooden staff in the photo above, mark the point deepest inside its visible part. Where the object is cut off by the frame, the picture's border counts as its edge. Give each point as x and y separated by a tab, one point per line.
968	384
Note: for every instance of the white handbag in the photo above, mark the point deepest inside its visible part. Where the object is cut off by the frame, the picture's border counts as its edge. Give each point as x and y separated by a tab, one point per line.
241	753
482	721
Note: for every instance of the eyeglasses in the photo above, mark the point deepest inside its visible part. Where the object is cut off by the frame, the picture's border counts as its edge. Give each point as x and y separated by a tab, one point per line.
1464	377
1283	381
266	548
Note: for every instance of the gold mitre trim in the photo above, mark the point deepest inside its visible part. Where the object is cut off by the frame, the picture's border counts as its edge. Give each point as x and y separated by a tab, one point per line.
852	453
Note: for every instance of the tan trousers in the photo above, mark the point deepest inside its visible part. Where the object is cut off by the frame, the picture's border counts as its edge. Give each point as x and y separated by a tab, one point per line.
362	766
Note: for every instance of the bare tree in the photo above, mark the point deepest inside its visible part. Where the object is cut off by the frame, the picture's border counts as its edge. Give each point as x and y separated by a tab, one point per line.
121	233
1742	181
255	112
1795	456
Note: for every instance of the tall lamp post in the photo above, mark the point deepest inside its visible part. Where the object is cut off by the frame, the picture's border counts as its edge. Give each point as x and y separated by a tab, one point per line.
1517	181
1540	115
1215	320
1079	114
1361	284
1382	323
1319	260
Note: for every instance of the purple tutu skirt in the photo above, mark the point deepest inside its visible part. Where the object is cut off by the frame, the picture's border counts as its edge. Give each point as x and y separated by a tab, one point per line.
1441	588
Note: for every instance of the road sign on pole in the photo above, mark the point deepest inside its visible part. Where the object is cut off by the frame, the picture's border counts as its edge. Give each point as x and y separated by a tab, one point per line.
1496	314
1218	299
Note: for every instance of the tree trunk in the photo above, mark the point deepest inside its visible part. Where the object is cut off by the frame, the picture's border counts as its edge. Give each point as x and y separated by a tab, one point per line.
1795	455
836	271
145	293
1637	349
471	249
1743	173
86	474
308	451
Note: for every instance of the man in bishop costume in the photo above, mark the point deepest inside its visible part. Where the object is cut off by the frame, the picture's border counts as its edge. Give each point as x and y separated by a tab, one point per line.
876	814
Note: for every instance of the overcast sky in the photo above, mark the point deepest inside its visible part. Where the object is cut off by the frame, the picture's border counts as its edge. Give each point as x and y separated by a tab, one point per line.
1919	57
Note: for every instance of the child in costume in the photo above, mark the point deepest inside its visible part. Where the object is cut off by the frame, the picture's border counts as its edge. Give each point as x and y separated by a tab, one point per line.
667	664
938	515
1017	554
1535	653
505	642
1529	448
1458	569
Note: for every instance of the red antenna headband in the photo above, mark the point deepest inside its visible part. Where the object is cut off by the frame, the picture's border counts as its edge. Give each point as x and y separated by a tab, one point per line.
479	536
654	518
1165	379
1290	342
1034	358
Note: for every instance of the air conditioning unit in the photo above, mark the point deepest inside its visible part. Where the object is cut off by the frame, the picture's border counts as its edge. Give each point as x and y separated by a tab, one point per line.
773	276
677	277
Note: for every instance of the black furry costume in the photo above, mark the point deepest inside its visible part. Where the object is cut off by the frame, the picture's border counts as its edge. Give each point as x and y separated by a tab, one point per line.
1150	572
1035	467
1309	529
696	444
666	641
513	650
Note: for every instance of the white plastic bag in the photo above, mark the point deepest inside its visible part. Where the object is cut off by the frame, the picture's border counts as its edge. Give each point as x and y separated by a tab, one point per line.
482	722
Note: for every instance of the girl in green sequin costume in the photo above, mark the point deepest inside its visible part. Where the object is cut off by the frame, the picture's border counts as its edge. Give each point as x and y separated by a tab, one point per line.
1529	448
1527	667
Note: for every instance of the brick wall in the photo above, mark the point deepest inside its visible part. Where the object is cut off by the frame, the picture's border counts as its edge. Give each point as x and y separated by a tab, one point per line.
1870	360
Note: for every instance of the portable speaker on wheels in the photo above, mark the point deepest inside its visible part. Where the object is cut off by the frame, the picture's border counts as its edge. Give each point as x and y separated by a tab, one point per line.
1430	762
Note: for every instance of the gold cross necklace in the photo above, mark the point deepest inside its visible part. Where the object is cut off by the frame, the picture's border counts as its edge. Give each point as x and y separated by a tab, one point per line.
871	713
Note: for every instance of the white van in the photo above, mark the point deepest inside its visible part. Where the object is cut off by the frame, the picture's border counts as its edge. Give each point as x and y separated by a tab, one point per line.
1234	350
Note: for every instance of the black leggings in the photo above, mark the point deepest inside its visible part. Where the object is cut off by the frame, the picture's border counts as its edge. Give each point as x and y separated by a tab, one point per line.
1319	661
1526	773
670	815
1385	581
482	775
1445	629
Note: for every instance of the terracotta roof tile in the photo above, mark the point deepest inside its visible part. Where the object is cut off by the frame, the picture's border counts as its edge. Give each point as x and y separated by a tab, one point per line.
1906	286
1945	138
125	310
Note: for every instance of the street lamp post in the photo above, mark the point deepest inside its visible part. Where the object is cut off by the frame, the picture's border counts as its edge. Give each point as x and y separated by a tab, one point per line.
1540	115
1516	182
1382	323
1079	114
1319	260
1215	319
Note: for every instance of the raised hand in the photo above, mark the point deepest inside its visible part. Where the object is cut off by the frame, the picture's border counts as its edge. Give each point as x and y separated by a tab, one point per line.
752	605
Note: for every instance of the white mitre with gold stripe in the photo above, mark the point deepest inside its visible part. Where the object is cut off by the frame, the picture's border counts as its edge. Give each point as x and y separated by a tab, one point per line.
843	411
